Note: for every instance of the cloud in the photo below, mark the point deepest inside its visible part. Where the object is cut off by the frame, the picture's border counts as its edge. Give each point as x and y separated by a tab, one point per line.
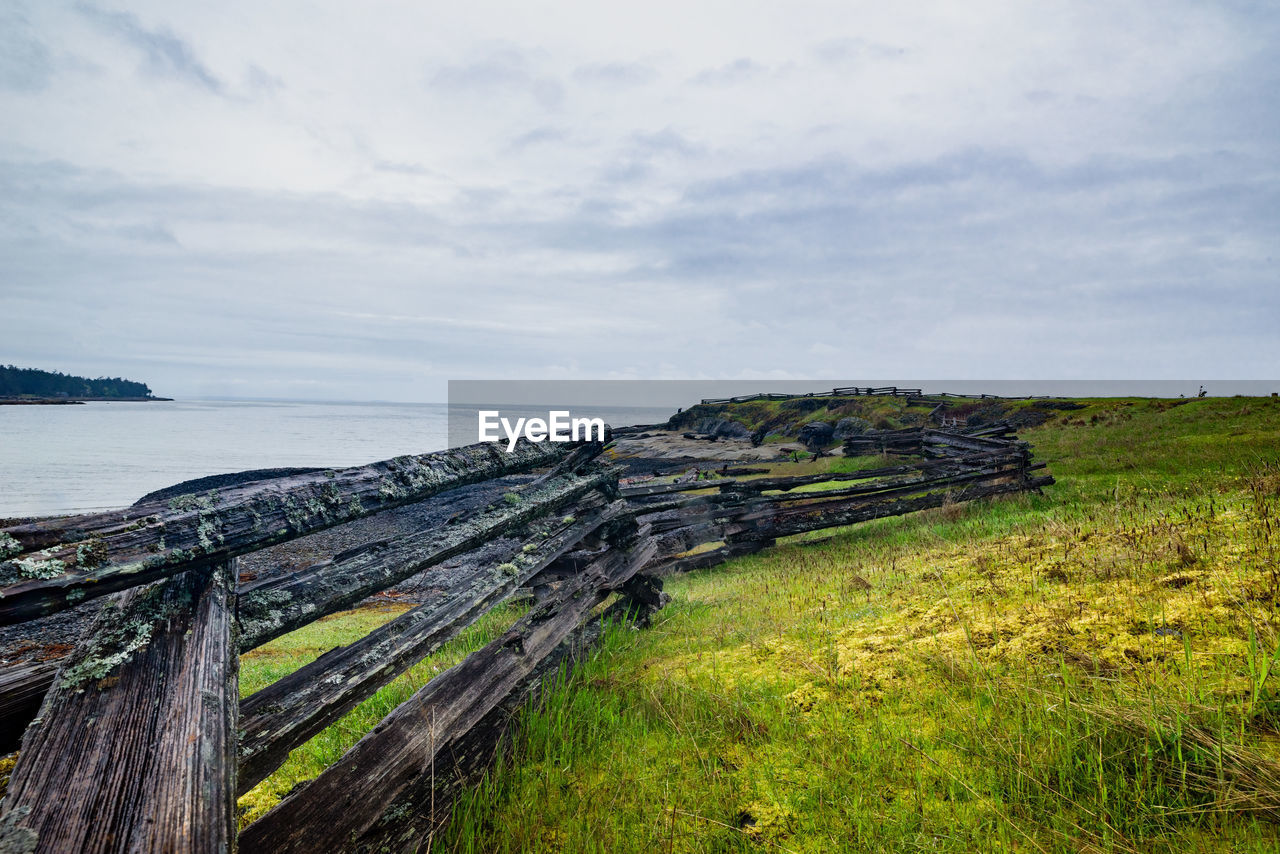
538	136
739	71
498	70
616	74
642	151
166	54
25	62
258	79
416	169
1009	192
967	249
665	141
845	50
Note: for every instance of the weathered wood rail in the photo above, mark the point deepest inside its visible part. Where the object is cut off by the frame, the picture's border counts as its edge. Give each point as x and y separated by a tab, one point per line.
141	742
843	391
871	391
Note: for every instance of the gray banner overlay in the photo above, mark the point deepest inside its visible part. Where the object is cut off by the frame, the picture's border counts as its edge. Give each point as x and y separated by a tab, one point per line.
622	403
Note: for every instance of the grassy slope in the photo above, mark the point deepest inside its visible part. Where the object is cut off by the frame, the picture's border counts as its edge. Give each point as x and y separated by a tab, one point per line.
785	417
1085	670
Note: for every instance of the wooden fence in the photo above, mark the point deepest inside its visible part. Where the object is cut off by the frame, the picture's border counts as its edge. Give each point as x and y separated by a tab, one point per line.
863	391
141	742
844	391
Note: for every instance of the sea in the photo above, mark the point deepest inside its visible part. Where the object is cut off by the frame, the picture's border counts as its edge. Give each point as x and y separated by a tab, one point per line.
105	455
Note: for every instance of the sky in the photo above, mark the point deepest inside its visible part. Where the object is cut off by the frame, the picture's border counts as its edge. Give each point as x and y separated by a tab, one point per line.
363	201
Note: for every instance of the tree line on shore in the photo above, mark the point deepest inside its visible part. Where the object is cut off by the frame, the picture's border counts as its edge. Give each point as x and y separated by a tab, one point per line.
33	382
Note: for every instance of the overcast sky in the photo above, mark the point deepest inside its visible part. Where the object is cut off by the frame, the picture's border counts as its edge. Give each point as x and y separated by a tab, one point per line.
363	200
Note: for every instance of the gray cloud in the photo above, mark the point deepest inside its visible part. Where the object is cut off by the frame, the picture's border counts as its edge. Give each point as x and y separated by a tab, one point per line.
498	70
504	67
618	74
166	54
845	50
792	248
260	80
25	61
1102	204
665	141
538	136
643	151
401	168
729	74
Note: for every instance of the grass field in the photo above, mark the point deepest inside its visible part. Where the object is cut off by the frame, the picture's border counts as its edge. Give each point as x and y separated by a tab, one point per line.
1087	670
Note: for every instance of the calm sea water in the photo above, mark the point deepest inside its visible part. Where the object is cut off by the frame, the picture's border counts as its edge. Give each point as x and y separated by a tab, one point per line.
99	456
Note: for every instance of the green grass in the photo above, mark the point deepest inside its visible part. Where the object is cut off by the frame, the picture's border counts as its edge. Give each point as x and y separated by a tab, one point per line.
1093	669
1086	670
783	417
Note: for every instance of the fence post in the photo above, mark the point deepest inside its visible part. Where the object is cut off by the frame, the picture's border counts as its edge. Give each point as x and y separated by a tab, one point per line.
134	748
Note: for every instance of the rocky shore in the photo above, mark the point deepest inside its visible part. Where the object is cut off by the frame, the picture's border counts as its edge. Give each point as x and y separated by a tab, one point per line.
73	401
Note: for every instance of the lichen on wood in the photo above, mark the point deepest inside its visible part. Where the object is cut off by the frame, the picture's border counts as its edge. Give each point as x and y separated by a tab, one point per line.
271	608
134	746
289	711
139	545
330	812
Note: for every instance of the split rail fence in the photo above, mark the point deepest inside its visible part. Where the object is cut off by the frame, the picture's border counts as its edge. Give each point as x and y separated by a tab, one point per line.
844	391
137	740
870	391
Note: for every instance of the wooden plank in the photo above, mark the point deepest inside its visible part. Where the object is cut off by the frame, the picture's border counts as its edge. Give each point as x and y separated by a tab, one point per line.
681	539
777	521
679	513
707	559
22	689
771	516
271	608
787	483
761	484
134	749
265	614
966	443
668	488
329	812
574	462
821	502
291	710
884	443
948	475
925	440
64	561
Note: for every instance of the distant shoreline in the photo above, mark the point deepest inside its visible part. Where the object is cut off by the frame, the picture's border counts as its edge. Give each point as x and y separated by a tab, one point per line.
59	401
